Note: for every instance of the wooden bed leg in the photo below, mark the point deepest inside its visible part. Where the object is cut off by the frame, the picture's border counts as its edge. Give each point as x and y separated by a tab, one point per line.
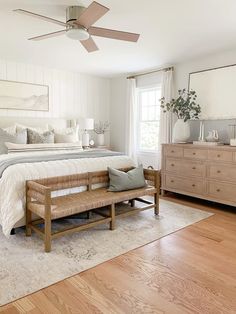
13	231
112	214
132	203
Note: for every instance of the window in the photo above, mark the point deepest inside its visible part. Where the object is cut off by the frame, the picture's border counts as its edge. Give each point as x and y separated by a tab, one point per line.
148	118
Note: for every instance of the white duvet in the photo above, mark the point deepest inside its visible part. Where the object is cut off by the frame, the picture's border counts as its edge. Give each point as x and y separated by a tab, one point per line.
12	183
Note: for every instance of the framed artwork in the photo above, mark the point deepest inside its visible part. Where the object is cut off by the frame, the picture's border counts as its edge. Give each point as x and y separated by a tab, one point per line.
23	96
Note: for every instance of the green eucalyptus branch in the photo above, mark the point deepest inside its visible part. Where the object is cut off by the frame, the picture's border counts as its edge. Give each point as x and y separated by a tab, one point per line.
184	106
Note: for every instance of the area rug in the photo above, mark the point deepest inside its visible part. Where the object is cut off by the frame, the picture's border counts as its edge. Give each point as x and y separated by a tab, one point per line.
25	268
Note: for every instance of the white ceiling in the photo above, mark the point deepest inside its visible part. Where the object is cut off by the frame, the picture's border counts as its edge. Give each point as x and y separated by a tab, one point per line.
171	32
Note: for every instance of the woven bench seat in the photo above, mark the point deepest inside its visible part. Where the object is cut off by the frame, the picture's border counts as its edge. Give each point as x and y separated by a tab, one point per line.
71	204
48	208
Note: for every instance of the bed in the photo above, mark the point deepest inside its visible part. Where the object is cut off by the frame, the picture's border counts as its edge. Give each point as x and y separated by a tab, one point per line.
15	170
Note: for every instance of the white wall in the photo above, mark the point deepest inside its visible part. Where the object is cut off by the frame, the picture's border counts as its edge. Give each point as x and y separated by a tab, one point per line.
71	95
118	113
183	69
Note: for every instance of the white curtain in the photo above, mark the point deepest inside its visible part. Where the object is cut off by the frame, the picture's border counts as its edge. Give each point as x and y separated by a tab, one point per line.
131	119
166	119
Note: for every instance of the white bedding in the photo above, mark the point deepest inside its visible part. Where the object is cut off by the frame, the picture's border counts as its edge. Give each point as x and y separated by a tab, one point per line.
12	183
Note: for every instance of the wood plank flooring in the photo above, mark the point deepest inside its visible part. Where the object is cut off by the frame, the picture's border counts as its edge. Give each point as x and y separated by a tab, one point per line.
190	271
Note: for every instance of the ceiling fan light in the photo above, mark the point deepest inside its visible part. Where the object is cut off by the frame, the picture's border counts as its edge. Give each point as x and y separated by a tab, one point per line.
77	34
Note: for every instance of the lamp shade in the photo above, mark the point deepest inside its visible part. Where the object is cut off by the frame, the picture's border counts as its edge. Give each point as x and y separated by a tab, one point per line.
88	124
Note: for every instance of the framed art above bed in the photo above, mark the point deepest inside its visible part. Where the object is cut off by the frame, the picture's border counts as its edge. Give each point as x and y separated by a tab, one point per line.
23	96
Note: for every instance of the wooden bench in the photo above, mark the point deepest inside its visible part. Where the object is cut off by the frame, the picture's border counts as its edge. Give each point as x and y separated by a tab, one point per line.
39	200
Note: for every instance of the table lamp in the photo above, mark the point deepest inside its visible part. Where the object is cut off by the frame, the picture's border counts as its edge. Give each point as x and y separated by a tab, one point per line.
88	124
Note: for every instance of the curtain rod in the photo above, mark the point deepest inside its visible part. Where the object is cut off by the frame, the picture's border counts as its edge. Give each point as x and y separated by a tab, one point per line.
154	71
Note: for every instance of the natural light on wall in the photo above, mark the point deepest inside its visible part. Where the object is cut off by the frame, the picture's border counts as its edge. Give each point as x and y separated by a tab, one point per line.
148	118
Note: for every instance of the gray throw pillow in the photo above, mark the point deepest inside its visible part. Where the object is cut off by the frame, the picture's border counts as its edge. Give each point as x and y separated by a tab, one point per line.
122	181
18	138
36	137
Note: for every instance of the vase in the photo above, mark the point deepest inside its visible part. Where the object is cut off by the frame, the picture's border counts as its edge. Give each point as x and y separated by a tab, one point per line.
100	139
181	131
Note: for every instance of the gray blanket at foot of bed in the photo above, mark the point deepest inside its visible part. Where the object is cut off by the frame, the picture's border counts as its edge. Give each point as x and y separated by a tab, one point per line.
13	160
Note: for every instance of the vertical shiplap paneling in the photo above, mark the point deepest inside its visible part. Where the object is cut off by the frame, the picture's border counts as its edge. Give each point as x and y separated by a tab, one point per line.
71	94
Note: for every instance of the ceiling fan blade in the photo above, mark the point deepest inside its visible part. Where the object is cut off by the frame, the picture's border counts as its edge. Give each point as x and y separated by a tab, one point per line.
41	17
93	13
89	44
113	34
54	34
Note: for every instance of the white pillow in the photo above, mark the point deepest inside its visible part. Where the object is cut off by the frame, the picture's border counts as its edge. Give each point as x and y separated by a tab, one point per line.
20	127
65	138
74	129
18	148
19	137
68	135
11	130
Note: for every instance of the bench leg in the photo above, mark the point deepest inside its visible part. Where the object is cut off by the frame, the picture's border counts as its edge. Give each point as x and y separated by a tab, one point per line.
28	230
156	201
47	234
112	215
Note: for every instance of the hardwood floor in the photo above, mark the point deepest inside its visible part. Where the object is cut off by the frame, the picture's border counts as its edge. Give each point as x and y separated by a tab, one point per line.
190	271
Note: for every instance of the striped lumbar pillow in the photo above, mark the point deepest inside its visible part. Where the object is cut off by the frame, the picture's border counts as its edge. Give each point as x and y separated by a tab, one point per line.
19	148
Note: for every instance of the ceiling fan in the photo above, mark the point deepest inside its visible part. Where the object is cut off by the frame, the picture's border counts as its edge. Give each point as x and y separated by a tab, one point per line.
78	25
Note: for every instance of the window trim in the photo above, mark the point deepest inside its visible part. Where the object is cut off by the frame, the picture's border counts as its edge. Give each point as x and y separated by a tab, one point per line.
139	91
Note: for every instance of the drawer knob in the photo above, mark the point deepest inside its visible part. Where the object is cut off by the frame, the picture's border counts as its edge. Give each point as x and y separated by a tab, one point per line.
172	181
172	165
194	153
218	190
218	171
218	155
194	168
172	151
193	185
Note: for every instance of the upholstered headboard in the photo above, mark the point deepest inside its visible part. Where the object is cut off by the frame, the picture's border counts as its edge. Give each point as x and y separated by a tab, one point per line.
34	122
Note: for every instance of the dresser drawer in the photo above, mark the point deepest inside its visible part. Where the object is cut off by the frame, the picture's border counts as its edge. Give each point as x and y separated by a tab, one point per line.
173	151
222	172
183	184
195	153
186	167
222	191
220	155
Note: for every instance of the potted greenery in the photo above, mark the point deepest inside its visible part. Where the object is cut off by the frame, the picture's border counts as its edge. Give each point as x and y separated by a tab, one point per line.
100	128
185	108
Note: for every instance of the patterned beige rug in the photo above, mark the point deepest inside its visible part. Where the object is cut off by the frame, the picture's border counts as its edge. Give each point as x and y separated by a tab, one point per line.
25	268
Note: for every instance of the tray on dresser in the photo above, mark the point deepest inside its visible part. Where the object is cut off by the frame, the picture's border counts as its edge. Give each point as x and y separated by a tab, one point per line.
208	143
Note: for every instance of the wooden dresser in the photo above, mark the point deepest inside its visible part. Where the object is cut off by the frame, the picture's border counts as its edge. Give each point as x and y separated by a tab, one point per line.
207	172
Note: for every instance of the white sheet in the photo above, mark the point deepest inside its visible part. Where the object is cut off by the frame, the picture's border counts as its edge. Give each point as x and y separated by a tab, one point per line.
12	183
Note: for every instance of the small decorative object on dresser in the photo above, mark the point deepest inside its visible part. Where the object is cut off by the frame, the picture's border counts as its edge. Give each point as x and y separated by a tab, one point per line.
201	137
232	134
185	108
207	172
100	129
212	136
